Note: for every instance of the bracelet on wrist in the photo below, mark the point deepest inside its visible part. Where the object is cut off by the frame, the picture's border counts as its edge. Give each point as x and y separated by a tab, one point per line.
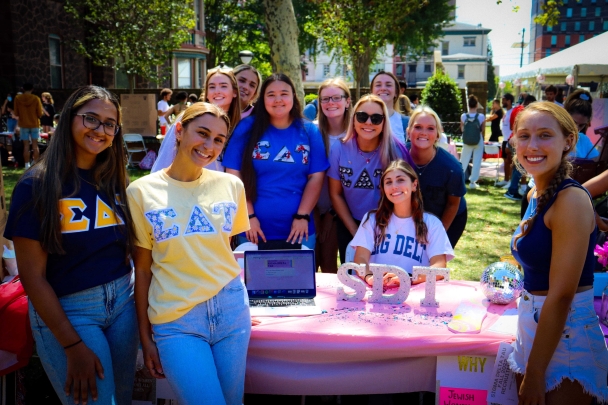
303	216
72	345
252	215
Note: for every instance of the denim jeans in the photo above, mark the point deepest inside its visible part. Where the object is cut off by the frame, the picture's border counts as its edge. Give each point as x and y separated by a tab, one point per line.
465	158
514	185
203	353
104	317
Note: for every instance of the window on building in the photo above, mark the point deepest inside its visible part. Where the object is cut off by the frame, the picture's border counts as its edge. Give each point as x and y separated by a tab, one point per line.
598	11
461	71
427	68
399	70
55	62
577	26
184	73
564	26
412	68
581	38
197	12
584	12
199	74
547	52
553	40
605	26
326	70
549	28
567	40
565	1
568	12
591	26
469	41
445	48
593	1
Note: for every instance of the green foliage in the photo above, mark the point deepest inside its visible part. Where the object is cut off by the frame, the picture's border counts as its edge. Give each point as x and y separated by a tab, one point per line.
132	35
442	94
491	77
550	14
309	98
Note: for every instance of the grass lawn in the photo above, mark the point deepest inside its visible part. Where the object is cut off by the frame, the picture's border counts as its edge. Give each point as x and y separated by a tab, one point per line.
492	221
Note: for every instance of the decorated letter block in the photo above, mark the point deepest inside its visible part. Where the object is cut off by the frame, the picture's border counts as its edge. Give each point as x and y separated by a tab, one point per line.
378	271
431	274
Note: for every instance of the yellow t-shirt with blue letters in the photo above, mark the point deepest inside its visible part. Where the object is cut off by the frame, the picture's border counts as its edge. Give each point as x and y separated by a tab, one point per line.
187	226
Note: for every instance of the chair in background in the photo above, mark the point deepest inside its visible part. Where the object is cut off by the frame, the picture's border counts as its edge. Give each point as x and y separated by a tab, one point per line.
135	147
493	151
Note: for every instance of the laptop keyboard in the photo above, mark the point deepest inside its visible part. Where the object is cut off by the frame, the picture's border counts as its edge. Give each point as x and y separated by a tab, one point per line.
297	302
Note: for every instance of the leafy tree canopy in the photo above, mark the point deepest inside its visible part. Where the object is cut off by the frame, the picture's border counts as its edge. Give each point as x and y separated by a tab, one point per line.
132	35
442	94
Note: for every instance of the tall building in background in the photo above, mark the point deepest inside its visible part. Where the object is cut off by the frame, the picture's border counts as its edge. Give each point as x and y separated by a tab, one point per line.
579	20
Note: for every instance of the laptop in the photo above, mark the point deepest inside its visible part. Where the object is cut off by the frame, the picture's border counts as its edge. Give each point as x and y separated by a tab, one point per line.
281	282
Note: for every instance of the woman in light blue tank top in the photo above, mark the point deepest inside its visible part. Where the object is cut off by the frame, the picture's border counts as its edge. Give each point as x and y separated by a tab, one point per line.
560	355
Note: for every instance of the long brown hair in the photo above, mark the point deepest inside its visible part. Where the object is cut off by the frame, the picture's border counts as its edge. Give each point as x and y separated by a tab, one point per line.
568	127
339	83
242	68
201	108
396	105
57	168
261	122
234	111
386	207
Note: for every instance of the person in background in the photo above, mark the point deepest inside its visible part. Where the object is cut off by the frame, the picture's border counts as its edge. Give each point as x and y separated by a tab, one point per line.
440	175
177	109
560	95
161	108
357	162
495	117
192	98
386	86
282	160
249	80
48	112
8	108
192	306
29	110
333	122
551	93
405	105
72	229
381	237
475	150
579	105
414	101
311	110
507	104
559	356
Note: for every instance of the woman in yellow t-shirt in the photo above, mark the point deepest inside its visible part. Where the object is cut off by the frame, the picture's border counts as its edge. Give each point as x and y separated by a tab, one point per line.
192	307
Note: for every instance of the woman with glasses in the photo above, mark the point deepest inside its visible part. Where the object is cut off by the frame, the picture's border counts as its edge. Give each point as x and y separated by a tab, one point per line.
439	173
579	105
386	86
281	160
249	80
333	120
357	162
72	230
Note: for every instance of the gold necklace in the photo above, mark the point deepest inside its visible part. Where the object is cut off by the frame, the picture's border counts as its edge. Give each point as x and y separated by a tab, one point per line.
94	185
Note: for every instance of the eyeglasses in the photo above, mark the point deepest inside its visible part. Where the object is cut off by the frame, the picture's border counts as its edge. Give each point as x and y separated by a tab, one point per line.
109	128
335	99
362	117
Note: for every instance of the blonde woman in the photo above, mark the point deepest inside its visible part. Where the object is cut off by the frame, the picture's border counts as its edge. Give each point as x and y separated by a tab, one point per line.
48	112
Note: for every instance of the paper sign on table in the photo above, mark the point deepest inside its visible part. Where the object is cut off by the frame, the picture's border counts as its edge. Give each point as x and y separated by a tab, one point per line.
464	380
506	324
503	389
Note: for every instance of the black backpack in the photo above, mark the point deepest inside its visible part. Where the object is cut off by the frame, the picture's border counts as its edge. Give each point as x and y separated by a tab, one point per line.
472	131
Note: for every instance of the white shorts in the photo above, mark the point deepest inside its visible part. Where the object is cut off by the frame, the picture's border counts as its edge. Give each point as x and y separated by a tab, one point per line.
581	353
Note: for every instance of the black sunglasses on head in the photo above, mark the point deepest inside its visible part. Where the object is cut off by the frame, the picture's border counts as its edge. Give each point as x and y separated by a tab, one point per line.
362	117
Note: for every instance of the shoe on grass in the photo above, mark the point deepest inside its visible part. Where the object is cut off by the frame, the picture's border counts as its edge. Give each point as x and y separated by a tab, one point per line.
473	185
514	197
501	183
506	186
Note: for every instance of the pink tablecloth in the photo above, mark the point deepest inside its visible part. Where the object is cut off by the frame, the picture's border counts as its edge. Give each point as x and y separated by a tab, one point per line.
361	348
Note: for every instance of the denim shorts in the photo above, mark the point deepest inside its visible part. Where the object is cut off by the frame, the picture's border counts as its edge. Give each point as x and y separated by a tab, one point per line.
104	318
11	125
26	134
203	353
581	353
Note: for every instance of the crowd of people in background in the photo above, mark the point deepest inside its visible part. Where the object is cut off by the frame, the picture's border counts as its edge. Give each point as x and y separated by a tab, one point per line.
246	163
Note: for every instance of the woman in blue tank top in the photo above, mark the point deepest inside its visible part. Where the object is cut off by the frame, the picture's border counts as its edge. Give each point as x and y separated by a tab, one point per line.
560	355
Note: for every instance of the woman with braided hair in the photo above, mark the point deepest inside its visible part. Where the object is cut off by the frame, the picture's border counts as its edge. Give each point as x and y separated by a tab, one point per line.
399	232
559	356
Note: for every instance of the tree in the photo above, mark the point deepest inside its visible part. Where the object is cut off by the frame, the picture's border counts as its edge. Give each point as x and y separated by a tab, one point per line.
442	94
550	14
283	38
131	35
491	76
358	29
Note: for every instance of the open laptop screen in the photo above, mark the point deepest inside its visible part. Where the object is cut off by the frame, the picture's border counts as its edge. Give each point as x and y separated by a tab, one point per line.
280	273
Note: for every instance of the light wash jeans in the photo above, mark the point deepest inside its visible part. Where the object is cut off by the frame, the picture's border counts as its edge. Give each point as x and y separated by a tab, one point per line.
203	353
465	158
104	317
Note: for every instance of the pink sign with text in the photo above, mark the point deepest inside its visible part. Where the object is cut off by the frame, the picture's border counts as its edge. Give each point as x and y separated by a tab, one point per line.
462	396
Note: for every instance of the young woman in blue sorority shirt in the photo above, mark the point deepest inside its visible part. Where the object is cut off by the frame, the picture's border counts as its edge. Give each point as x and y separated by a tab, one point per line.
357	162
560	355
192	306
399	232
72	231
281	159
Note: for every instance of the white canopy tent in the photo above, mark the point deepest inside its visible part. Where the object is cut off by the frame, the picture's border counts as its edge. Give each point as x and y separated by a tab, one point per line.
587	61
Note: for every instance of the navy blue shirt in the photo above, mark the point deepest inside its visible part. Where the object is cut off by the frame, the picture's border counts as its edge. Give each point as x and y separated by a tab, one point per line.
92	238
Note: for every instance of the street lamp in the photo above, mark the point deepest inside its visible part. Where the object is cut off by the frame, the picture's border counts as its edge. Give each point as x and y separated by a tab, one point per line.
246	56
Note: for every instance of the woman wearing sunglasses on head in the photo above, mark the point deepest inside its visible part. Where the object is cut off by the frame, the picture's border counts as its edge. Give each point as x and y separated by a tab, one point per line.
357	162
72	230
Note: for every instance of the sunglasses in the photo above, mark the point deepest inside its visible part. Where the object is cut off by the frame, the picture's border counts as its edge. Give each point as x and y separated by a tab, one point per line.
362	117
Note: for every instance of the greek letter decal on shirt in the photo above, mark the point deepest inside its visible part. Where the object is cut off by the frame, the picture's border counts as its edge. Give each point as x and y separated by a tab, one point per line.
304	150
71	213
157	219
257	151
364	181
104	216
199	223
284	156
345	171
229	209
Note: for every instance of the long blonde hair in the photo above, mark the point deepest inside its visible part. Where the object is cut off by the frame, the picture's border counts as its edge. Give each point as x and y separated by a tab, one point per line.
234	111
387	147
48	96
323	121
425	109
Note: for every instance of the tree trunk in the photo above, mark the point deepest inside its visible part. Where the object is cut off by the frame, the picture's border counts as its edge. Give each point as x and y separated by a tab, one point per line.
131	78
283	38
361	63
